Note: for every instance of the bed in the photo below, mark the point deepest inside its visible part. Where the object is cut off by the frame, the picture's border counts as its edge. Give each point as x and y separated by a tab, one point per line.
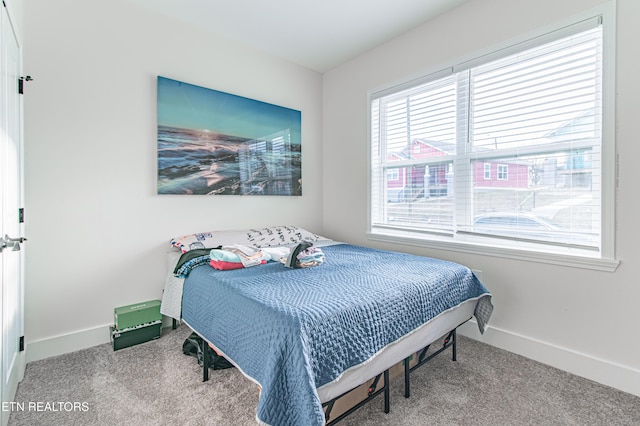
308	335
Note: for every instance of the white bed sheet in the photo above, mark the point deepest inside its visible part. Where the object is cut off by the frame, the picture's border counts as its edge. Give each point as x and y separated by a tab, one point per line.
171	304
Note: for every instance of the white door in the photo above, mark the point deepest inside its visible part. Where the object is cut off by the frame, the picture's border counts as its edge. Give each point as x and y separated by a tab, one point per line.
11	259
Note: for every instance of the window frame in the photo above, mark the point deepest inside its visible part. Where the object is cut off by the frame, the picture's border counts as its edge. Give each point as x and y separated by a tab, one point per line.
605	259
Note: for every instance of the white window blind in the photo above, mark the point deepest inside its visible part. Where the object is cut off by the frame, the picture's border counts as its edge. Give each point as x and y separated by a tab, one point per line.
506	151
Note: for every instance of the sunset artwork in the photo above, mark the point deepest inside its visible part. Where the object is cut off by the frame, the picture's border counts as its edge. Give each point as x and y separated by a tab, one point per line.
216	143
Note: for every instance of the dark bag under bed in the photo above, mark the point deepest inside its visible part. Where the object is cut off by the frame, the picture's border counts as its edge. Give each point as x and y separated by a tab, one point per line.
193	346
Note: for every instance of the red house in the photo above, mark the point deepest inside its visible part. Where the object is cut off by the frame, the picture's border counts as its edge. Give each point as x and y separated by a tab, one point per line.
411	182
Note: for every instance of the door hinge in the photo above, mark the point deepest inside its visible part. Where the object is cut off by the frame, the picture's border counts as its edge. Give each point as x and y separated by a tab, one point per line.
21	81
21	343
21	215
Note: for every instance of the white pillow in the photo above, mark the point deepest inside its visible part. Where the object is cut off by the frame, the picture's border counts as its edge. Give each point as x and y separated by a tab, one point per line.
263	237
171	305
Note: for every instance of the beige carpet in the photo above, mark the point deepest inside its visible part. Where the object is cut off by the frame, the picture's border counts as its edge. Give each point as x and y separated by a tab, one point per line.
155	384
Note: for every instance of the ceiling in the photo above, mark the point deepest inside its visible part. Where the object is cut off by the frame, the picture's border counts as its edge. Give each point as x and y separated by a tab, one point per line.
317	34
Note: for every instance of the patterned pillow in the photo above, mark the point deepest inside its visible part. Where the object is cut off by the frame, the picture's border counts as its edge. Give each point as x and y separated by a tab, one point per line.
263	237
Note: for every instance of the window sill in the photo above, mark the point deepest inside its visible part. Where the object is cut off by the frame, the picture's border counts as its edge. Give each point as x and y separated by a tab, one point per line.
573	261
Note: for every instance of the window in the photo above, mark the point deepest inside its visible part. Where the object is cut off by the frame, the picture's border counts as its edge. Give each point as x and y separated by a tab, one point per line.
533	113
503	172
487	171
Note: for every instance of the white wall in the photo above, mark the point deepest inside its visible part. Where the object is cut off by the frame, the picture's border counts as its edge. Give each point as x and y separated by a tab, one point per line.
579	320
97	230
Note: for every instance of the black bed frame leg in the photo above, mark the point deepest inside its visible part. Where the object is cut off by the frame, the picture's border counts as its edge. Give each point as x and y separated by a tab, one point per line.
387	392
453	349
407	371
422	359
205	360
174	325
372	394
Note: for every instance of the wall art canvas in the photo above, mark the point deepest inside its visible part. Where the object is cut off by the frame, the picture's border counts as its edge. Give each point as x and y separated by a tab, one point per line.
217	143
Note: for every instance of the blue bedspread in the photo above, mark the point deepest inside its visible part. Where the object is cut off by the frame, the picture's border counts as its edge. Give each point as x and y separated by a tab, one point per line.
293	330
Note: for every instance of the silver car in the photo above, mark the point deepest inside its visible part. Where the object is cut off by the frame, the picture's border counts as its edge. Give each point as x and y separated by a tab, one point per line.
531	227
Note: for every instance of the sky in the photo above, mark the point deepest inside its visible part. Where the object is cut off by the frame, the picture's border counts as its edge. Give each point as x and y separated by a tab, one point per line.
193	107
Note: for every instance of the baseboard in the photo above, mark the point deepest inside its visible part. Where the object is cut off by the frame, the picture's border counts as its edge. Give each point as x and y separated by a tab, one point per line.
71	342
65	343
617	376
